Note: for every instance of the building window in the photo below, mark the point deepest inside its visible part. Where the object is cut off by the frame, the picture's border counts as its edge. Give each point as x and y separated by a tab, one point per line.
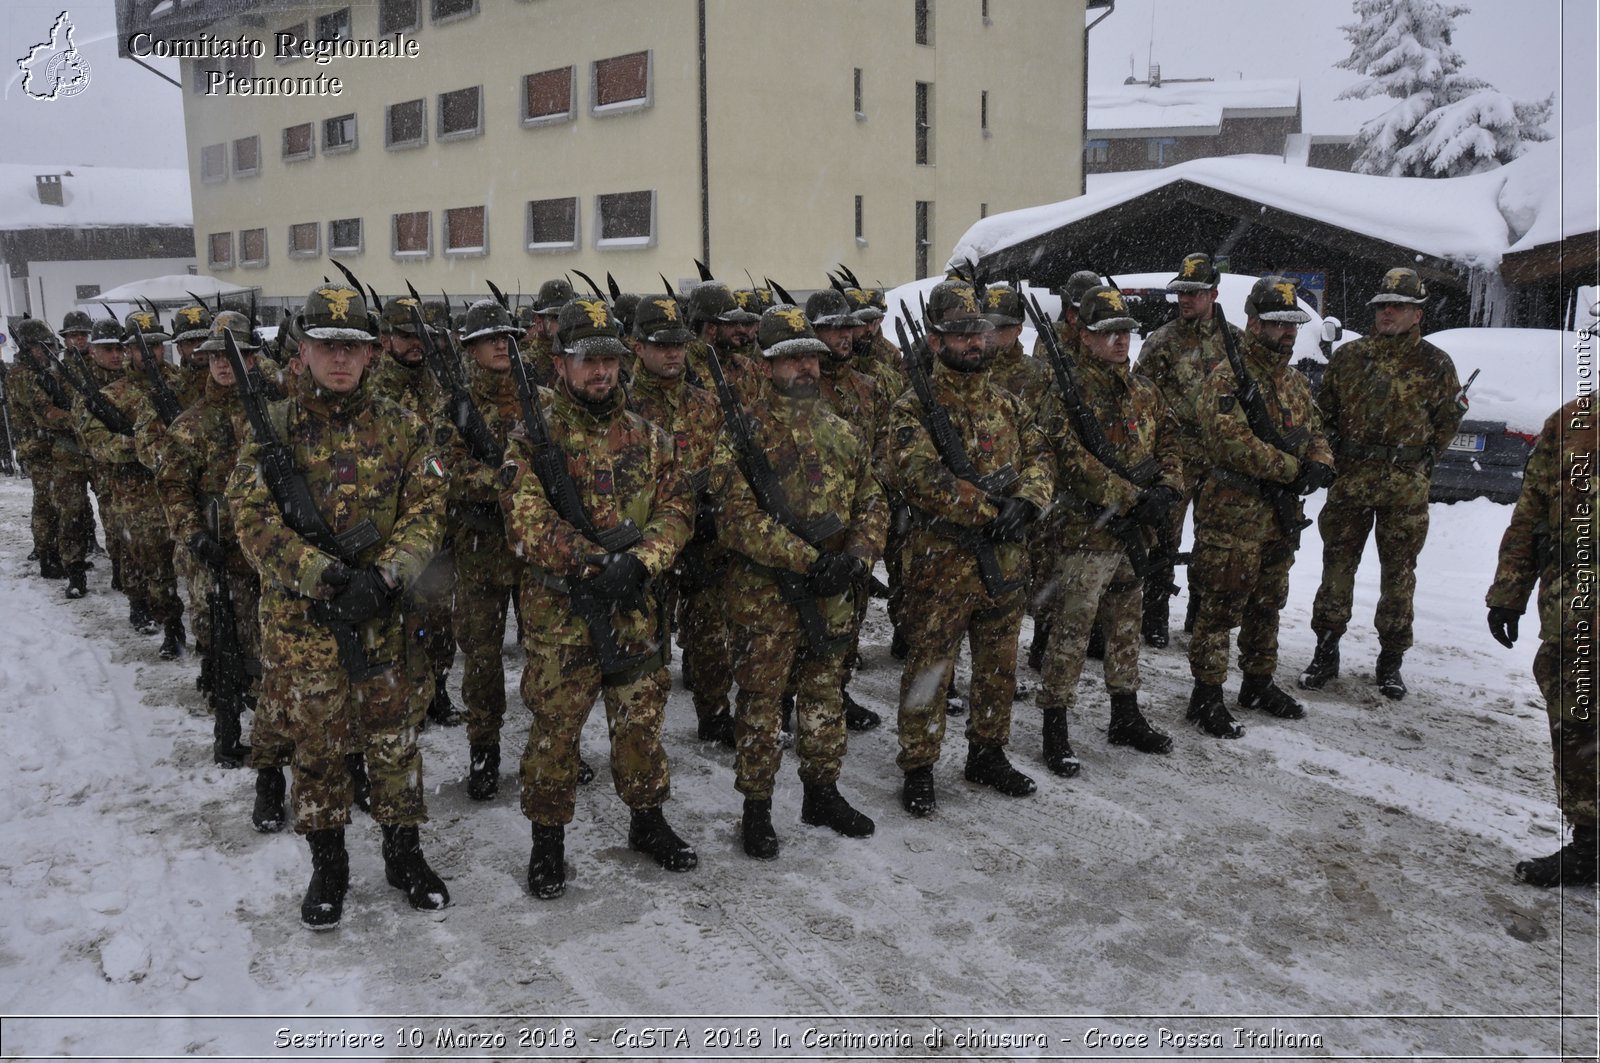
983	112
625	219
246	156
243	66
547	96
1097	151
252	247
621	83
214	163
398	16
334	26
861	111
861	221
464	231
219	250
303	239
286	43
461	113
298	142
203	69
983	210
339	134
405	125
1155	149
924	235
923	15
445	10
553	224
924	130
413	234
344	236
88	291
984	10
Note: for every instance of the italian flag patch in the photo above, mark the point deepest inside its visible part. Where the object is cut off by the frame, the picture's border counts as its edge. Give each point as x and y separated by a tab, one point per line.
434	467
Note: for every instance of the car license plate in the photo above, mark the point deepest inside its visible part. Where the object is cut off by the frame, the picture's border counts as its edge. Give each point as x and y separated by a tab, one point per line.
1472	441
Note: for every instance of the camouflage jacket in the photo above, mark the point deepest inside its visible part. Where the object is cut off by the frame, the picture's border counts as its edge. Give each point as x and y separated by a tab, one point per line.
1177	357
150	431
189	384
202	448
883	362
410	386
995	431
472	482
690	415
1066	336
128	391
1028	378
1389	407
1550	540
623	467
1230	509
858	399
27	404
1139	427
745	376
539	354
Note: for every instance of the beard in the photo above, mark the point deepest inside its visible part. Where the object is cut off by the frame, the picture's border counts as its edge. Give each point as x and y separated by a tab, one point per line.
800	388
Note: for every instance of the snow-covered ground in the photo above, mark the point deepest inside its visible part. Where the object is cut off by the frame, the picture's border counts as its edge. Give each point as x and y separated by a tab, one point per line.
1346	877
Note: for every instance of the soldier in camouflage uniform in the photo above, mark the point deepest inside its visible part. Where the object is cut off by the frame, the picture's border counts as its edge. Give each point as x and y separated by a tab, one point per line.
191	325
717	321
875	354
946	600
1390	404
1550	541
539	349
1026	377
1243	548
102	365
622	468
1094	574
38	424
1177	358
823	468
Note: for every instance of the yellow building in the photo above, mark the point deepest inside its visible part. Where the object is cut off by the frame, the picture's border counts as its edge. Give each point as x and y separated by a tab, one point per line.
515	140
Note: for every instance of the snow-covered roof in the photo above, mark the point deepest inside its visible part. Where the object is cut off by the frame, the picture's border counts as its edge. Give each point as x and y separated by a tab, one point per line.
1544	205
1187	108
94	196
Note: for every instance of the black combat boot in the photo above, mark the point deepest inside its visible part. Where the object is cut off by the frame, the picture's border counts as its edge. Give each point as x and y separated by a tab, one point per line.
547	863
1324	662
50	566
954	703
1040	643
483	776
405	869
202	681
360	785
988	766
330	879
755	830
857	717
1096	650
1156	617
916	795
77	582
1574	864
1207	712
718	728
267	815
1130	728
899	646
1260	692
1390	683
824	806
1190	611
1058	755
116	574
648	833
139	617
33	555
172	640
227	751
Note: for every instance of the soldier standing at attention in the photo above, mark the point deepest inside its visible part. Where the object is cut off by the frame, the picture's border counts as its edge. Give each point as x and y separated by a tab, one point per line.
1025	377
875	354
717	321
373	476
1550	542
1137	477
1248	517
191	325
36	430
1177	358
822	470
953	522
1390	404
620	468
540	350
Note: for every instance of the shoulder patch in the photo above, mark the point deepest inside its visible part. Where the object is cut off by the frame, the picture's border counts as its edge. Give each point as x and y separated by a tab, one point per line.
510	475
441	435
905	435
1225	403
434	467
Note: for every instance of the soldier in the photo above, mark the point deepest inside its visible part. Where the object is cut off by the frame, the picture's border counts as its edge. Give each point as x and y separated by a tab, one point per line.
1025	377
875	354
1176	358
28	405
1094	573
823	469
1248	517
74	468
694	589
1549	541
100	365
191	326
620	468
371	468
716	320
953	522
540	351
1066	325
1390	404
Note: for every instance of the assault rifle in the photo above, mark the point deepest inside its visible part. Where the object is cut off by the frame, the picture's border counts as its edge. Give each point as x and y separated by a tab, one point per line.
953	453
1284	502
49	384
8	464
463	411
292	495
768	492
228	669
114	419
167	405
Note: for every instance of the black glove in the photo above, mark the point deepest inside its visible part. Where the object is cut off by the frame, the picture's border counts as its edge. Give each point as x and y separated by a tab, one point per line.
1314	476
1503	625
207	549
337	574
1152	506
705	518
366	596
622	575
1012	523
832	572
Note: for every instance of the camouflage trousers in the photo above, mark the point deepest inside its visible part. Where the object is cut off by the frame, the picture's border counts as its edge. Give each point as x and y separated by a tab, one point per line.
43	516
195	577
893	566
147	573
68	502
940	613
1090	584
560	686
766	662
1347	519
110	519
1161	573
326	716
486	582
704	637
1569	690
430	617
1244	586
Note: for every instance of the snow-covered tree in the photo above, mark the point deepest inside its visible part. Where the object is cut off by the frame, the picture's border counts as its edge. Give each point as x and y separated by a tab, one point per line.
1446	122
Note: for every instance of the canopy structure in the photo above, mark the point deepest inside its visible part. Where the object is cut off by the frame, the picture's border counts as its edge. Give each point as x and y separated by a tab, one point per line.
174	289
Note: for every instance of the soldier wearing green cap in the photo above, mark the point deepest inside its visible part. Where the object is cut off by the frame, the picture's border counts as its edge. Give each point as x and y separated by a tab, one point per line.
48	443
1066	323
539	348
875	354
1391	404
1026	377
717	321
190	327
622	468
1244	546
370	466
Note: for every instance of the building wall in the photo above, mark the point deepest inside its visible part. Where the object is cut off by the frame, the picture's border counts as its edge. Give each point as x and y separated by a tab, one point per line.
50	288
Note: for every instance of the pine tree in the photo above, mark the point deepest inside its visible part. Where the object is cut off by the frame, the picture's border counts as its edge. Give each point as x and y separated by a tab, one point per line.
1446	122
